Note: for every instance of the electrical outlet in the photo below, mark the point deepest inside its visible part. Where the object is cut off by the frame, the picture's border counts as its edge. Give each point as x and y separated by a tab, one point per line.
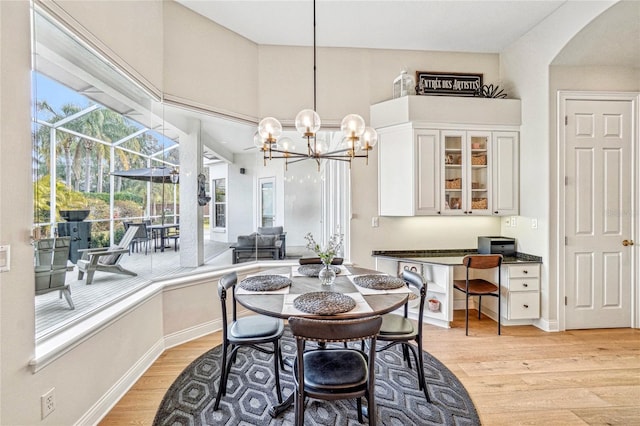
48	402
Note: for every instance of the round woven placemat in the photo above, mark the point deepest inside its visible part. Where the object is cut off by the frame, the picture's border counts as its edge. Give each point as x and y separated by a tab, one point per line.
314	270
378	282
265	282
324	303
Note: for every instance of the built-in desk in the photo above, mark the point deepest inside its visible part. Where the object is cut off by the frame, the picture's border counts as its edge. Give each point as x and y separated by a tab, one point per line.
520	276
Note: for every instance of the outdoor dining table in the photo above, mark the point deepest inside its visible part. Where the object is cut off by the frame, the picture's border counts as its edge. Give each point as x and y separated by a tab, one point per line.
277	303
162	230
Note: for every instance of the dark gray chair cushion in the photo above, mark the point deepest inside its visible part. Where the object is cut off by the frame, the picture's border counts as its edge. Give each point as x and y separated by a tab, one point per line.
393	324
246	240
255	326
270	230
266	240
335	369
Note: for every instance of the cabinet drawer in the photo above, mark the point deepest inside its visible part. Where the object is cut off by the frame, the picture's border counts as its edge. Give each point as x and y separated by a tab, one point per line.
524	284
520	271
524	305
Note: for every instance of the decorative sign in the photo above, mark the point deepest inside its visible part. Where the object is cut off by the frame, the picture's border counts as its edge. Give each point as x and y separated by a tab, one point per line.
447	84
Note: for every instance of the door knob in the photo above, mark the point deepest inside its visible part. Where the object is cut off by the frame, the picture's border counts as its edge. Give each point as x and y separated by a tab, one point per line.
627	243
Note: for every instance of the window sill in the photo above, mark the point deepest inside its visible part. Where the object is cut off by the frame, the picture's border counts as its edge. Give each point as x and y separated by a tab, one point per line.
57	344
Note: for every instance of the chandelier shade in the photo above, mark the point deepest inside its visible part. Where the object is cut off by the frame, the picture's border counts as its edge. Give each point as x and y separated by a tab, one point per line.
307	122
357	139
270	129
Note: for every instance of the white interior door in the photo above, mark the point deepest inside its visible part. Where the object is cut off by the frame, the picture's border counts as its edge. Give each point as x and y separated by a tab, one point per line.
598	220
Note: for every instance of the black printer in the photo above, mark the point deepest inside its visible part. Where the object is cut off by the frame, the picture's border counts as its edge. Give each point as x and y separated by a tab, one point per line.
497	245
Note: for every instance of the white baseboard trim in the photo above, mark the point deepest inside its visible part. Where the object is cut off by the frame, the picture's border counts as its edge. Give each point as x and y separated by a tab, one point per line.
102	407
547	325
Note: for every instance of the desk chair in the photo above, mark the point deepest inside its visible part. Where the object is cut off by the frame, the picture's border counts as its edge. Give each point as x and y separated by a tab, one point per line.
478	286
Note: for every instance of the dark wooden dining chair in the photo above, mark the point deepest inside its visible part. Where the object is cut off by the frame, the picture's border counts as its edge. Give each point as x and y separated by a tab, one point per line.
251	331
335	373
478	286
318	261
400	330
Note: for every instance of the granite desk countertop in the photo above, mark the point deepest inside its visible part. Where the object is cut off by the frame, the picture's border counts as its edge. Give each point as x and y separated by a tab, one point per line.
447	257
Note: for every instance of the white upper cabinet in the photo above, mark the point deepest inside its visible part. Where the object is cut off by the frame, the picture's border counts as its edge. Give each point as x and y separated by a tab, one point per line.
407	178
505	181
447	156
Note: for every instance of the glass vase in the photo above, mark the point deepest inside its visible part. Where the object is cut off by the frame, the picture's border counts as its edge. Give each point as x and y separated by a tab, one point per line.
327	275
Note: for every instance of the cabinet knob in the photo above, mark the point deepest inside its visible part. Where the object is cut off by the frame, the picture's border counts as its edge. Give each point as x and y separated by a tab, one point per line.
526	306
470	212
439	212
525	285
525	272
496	212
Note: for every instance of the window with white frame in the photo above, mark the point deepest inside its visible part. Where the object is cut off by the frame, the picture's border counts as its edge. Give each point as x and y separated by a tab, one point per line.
220	203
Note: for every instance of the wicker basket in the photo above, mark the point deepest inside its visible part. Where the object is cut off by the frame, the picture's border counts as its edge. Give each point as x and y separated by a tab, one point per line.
479	204
479	160
453	183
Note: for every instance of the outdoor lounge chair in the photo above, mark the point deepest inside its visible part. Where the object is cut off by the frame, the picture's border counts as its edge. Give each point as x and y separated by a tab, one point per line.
51	268
106	259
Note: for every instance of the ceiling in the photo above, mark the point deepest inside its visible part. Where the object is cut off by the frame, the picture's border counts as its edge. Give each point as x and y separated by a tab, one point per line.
460	26
437	25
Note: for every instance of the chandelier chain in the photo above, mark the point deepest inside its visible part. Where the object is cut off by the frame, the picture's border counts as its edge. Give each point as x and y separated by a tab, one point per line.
356	136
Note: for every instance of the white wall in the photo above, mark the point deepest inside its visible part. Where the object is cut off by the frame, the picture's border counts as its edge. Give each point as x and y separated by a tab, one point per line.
207	65
20	391
525	68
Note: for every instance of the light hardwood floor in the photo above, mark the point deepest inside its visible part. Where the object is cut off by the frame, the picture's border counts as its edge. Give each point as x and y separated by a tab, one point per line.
526	376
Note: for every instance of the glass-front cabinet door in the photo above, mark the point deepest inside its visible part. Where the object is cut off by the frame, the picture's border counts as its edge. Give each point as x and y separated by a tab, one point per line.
454	163
479	172
465	172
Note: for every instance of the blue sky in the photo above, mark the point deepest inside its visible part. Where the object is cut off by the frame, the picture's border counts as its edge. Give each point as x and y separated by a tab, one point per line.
56	94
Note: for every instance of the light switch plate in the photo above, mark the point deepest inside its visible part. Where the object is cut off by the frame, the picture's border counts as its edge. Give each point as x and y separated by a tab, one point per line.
5	259
514	222
534	223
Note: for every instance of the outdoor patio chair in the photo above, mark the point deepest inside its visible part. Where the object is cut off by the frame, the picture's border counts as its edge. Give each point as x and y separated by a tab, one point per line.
106	259
51	268
142	237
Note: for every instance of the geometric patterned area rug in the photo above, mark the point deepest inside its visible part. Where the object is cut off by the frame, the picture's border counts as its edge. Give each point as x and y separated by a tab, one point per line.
251	393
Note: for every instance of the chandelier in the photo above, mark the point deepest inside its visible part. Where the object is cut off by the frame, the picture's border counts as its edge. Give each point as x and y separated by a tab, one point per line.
357	138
